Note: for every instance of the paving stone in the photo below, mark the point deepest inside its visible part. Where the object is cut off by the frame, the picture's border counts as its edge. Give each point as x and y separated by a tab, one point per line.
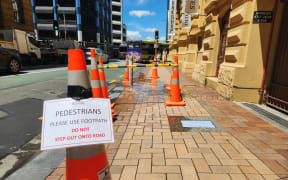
174	177
128	173
121	154
254	177
165	169
144	166
151	177
206	176
225	169
211	159
260	167
201	165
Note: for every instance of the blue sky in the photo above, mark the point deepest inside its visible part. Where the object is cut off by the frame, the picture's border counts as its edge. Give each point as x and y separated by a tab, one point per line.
142	17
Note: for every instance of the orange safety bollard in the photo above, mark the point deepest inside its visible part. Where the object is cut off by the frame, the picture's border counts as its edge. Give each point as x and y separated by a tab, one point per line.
95	79
175	99
86	162
126	80
104	83
154	70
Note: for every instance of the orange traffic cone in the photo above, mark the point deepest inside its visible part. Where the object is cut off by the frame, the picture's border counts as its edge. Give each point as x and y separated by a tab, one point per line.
104	83
94	161
95	79
175	99
154	70
126	80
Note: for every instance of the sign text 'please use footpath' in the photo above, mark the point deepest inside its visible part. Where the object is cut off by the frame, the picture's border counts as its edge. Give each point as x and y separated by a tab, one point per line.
69	123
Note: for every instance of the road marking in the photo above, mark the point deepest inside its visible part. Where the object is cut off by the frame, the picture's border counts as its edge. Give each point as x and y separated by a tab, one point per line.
121	76
112	81
40	118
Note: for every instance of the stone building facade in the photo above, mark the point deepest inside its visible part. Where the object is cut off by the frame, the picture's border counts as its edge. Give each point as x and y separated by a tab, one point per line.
16	14
237	48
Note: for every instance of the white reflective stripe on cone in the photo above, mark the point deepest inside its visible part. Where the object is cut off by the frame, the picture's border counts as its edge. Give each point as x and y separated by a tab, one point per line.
103	83
75	78
95	83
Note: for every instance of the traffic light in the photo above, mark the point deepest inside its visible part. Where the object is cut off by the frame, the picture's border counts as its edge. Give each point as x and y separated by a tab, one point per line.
156	34
55	25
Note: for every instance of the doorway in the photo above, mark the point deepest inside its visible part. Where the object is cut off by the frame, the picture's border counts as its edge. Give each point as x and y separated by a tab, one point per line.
224	25
278	91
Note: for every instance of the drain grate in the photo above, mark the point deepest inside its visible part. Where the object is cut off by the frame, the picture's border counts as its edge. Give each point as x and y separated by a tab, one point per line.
267	114
194	124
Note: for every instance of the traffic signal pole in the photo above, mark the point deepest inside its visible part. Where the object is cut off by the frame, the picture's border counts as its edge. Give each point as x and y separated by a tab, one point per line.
156	42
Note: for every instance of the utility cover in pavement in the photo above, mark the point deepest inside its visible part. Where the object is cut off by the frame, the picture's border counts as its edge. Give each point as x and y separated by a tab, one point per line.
194	124
198	124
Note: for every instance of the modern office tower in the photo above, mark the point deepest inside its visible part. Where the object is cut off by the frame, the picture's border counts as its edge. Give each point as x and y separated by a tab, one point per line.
117	23
81	20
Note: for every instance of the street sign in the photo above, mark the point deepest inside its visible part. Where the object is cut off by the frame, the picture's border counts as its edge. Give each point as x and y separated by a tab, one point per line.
69	123
262	17
156	44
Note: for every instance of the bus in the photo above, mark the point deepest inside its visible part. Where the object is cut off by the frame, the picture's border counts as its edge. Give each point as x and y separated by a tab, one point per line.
144	49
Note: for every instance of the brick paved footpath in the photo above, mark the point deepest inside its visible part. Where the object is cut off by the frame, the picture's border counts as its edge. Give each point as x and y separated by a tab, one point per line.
145	149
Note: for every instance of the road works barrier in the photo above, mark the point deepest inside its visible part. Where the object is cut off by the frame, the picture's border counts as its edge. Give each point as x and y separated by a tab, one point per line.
138	65
146	61
86	162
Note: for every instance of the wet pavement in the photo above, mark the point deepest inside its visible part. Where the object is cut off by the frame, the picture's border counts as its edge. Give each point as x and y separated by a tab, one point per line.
151	142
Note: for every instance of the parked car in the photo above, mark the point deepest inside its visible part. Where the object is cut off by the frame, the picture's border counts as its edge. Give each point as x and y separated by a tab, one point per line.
98	51
10	60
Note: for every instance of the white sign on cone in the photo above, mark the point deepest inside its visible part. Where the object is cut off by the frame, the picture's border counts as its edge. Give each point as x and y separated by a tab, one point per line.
69	123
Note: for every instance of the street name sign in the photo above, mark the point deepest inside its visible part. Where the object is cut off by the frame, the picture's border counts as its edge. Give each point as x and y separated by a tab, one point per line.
262	17
69	123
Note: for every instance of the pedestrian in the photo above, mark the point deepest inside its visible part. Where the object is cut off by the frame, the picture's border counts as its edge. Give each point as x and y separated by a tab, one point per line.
158	56
164	55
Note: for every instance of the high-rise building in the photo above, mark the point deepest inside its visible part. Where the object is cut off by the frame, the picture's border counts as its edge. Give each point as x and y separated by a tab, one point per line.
82	20
117	23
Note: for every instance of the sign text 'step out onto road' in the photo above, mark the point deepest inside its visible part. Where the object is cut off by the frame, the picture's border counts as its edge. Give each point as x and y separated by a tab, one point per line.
68	123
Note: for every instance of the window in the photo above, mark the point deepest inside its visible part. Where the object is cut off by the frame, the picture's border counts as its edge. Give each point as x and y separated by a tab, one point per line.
117	36
116	18
116	27
18	11
116	8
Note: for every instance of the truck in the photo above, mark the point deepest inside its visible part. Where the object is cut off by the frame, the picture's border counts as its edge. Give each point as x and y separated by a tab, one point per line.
57	50
23	42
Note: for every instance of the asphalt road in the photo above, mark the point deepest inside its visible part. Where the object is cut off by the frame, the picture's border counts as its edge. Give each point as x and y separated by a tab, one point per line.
21	99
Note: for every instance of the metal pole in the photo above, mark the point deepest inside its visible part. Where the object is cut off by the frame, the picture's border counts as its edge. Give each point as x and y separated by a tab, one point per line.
65	31
131	72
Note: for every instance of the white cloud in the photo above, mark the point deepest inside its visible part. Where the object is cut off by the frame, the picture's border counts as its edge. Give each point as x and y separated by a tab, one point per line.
150	29
149	38
162	38
134	34
140	13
